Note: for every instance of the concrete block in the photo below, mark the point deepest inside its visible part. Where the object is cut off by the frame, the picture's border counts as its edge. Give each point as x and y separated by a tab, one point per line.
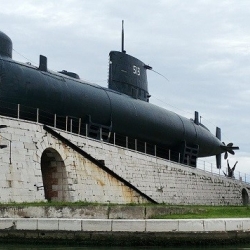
7	223
26	224
126	212
32	212
47	224
70	225
128	225
218	225
234	224
194	225
161	225
246	224
96	225
29	145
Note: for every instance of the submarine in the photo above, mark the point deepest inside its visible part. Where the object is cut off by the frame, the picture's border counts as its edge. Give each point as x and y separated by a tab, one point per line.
122	109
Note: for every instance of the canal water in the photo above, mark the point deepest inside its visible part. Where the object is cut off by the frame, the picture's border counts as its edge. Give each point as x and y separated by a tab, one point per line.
53	247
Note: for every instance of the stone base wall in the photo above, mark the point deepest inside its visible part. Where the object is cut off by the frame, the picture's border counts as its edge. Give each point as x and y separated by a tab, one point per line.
164	181
35	166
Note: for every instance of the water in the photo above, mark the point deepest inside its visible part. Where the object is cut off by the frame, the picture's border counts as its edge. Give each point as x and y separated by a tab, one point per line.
57	247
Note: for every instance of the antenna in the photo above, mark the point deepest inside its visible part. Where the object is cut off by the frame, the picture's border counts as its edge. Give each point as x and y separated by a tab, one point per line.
123	38
159	74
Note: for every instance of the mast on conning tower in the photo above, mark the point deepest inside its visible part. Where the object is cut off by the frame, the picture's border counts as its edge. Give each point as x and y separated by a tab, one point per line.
124	51
127	74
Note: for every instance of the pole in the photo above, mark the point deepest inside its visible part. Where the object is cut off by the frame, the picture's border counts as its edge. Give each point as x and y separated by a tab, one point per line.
79	128
123	38
37	115
18	111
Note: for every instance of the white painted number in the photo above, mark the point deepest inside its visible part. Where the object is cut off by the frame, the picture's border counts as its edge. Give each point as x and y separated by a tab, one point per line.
136	70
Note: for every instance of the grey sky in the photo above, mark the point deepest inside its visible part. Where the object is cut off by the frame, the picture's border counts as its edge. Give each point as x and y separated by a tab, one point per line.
202	47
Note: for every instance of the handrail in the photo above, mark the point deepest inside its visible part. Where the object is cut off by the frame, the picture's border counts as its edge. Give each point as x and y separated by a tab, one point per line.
77	126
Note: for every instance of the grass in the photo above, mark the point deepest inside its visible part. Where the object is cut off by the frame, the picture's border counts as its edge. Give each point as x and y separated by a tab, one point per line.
207	212
162	211
50	204
69	204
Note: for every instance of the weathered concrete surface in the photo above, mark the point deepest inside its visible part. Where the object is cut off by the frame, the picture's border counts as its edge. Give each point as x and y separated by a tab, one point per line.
93	212
90	212
127	212
126	232
38	167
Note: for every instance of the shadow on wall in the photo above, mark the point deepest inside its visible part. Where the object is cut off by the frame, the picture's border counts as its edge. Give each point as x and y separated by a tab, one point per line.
245	197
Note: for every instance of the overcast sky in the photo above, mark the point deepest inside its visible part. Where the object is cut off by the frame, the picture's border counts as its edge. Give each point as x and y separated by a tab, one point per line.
201	46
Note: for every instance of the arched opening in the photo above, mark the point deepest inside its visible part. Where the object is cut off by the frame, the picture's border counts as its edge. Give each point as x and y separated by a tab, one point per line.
245	197
54	176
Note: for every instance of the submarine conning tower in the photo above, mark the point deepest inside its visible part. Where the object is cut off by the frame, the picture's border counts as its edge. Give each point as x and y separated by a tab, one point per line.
128	75
5	45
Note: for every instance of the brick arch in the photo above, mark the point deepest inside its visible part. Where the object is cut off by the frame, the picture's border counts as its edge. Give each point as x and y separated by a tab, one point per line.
54	175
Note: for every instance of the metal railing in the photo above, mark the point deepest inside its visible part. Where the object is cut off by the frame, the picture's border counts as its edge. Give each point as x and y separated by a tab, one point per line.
211	168
78	126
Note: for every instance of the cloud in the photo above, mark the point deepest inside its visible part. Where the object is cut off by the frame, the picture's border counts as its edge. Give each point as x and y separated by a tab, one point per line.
202	47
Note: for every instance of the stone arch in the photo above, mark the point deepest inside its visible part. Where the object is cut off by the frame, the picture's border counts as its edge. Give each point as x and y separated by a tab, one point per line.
55	181
245	197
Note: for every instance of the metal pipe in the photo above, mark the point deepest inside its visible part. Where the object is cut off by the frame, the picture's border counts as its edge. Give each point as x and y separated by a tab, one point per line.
66	123
55	121
101	133
18	111
79	126
37	115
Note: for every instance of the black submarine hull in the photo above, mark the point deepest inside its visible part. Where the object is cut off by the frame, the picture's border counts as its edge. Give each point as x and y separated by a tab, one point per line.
122	109
59	94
